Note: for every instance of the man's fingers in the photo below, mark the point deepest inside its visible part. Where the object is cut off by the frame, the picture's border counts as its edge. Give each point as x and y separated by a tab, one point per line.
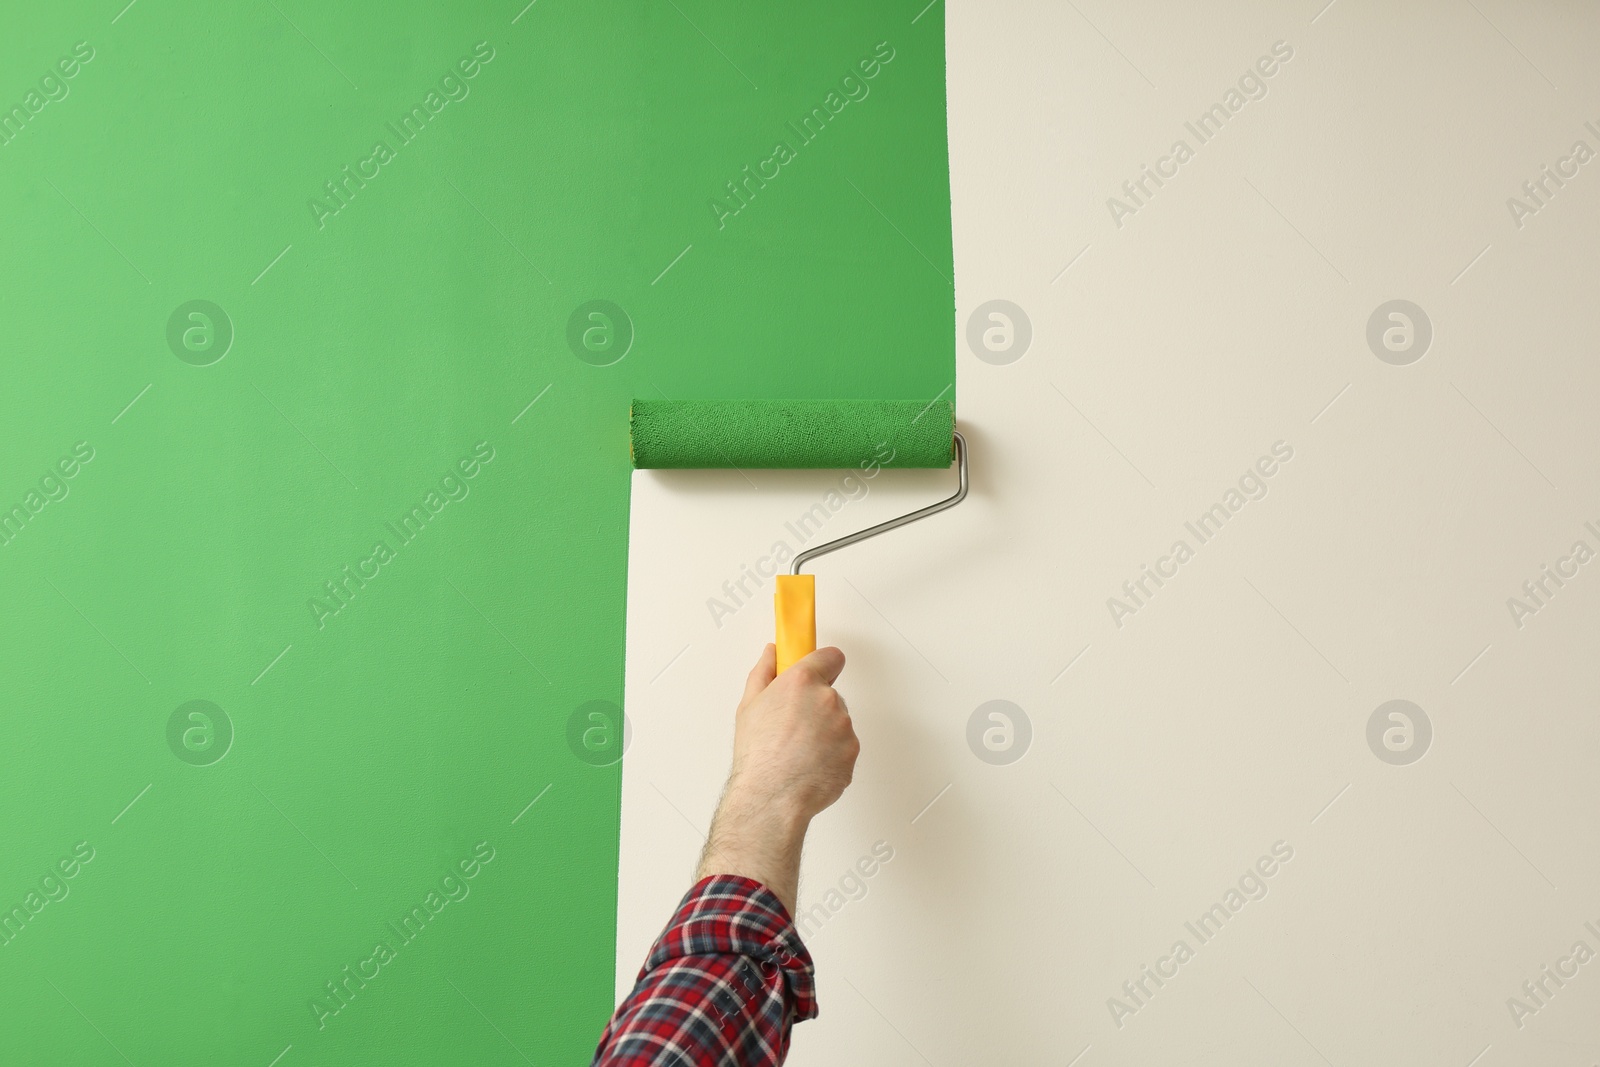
761	674
825	663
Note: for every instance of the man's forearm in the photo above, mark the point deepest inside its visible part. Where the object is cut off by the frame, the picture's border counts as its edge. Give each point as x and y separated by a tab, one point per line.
756	837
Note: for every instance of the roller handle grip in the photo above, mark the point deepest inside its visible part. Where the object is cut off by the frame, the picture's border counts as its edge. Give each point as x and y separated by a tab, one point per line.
795	604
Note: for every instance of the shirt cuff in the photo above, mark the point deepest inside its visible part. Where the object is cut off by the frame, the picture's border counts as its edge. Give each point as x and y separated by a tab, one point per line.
727	914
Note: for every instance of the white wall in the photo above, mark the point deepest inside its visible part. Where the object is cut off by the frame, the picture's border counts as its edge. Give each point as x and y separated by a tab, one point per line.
1231	710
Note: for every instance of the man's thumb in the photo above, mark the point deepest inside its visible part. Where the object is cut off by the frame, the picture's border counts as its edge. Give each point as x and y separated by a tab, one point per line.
825	663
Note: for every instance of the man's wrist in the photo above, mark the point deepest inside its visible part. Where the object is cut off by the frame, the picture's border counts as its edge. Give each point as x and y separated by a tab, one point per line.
752	804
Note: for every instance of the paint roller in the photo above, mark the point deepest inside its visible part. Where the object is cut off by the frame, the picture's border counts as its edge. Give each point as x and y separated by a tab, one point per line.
800	434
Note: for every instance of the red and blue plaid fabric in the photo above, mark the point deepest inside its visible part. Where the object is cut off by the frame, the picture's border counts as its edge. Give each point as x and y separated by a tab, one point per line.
723	984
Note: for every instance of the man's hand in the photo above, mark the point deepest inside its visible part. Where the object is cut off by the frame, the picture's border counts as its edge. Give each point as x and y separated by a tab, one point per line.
793	754
793	745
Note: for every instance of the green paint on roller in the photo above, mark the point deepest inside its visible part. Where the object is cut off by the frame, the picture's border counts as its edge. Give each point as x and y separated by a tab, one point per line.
820	434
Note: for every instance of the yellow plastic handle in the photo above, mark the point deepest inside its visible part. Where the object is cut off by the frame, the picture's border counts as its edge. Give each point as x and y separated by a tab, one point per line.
795	602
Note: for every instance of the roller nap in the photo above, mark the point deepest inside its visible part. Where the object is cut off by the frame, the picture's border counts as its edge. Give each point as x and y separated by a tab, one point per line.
816	434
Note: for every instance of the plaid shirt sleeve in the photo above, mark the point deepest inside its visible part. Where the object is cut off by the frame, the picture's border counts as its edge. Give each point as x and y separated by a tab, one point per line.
722	986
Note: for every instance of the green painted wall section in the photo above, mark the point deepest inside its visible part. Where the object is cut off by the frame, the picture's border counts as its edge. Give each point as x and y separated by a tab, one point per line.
178	482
